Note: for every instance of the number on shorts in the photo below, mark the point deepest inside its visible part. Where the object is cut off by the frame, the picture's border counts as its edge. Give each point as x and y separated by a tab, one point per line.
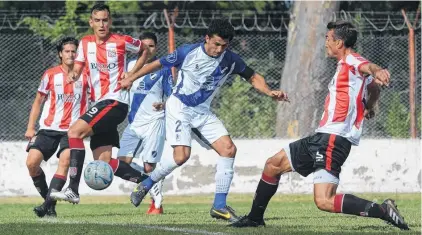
93	110
178	123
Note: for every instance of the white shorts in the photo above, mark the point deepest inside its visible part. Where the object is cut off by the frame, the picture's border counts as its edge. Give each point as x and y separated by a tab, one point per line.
181	119
145	143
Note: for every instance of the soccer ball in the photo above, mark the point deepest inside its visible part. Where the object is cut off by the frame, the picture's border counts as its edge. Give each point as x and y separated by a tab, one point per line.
98	175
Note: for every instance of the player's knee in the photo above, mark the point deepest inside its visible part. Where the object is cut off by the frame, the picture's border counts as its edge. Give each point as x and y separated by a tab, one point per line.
229	150
149	167
33	166
323	203
181	154
74	133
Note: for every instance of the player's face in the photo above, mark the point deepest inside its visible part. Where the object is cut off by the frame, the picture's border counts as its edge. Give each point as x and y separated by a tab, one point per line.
331	44
216	45
68	54
100	22
151	47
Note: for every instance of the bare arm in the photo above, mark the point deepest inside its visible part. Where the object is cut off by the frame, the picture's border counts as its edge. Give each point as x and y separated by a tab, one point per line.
381	76
147	69
33	116
373	96
140	62
258	82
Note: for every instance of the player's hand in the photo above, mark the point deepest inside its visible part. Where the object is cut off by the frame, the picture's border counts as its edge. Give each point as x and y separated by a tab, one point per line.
382	77
158	106
279	96
71	77
125	84
369	113
29	133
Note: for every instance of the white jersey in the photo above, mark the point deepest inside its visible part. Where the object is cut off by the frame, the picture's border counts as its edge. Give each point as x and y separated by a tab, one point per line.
144	92
200	76
344	105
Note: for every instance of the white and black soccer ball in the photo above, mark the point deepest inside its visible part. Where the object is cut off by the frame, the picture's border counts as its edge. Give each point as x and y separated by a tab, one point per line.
98	175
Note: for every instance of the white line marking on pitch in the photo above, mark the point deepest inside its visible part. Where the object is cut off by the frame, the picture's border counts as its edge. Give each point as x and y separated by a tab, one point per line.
164	228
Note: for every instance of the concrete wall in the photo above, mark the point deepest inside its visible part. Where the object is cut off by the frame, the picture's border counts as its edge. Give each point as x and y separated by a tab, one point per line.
374	166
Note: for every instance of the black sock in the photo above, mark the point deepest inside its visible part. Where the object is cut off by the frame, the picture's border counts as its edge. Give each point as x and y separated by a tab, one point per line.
77	158
352	205
126	172
41	184
267	187
57	183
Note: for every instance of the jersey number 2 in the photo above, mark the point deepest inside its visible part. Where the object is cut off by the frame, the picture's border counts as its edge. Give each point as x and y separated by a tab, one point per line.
178	123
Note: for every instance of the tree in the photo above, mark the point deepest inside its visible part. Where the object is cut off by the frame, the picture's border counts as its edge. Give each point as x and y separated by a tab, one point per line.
306	72
74	22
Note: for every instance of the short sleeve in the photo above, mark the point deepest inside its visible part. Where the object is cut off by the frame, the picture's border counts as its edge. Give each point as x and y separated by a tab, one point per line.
239	64
131	44
80	57
44	87
356	61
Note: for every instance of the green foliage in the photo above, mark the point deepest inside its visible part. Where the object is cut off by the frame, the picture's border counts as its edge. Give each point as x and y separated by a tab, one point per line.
398	118
65	25
245	113
69	24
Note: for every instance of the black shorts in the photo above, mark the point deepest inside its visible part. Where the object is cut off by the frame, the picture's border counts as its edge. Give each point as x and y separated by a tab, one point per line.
104	117
321	150
47	142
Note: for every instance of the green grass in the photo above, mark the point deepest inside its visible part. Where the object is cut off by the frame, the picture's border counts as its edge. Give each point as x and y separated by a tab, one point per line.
286	214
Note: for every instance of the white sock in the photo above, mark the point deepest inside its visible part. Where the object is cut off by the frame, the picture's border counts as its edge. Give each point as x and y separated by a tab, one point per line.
156	194
224	174
163	169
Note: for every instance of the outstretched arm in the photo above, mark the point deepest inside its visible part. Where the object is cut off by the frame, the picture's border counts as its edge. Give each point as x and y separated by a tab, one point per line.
258	82
142	59
147	69
381	76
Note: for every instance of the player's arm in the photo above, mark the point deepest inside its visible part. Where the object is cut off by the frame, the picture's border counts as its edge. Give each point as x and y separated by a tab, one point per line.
259	83
147	69
140	62
35	113
76	72
381	76
373	97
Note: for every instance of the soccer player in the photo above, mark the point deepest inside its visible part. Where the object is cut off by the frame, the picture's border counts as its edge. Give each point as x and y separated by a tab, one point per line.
144	136
203	68
64	103
324	152
103	54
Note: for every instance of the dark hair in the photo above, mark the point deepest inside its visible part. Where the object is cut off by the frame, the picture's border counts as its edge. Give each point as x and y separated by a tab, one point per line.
344	31
66	40
221	28
148	35
100	7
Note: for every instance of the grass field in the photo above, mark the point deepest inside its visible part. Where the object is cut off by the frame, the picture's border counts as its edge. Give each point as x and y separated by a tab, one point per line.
286	214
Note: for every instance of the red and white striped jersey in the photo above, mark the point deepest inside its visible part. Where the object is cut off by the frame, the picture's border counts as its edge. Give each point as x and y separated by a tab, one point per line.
344	105
65	102
105	63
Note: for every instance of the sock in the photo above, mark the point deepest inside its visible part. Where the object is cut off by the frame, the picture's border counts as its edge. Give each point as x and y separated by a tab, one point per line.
41	184
352	205
57	183
267	187
223	179
77	158
126	172
160	172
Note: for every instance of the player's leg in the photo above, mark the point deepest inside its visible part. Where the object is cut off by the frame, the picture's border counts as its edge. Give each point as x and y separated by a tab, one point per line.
40	147
293	157
178	135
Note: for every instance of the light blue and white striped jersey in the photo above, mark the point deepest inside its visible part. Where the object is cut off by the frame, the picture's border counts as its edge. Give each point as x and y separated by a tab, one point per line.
144	92
200	76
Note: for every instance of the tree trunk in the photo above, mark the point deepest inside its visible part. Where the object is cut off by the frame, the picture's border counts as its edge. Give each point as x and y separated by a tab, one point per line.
306	70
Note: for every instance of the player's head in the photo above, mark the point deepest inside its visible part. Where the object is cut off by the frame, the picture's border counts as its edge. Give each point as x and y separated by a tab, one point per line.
100	20
219	34
66	49
341	35
150	39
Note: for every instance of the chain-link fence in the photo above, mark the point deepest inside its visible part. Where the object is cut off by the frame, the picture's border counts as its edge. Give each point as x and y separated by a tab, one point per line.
245	113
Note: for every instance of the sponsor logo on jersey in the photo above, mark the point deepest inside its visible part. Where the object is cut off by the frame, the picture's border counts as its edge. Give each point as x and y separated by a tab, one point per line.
103	67
171	58
68	98
111	53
